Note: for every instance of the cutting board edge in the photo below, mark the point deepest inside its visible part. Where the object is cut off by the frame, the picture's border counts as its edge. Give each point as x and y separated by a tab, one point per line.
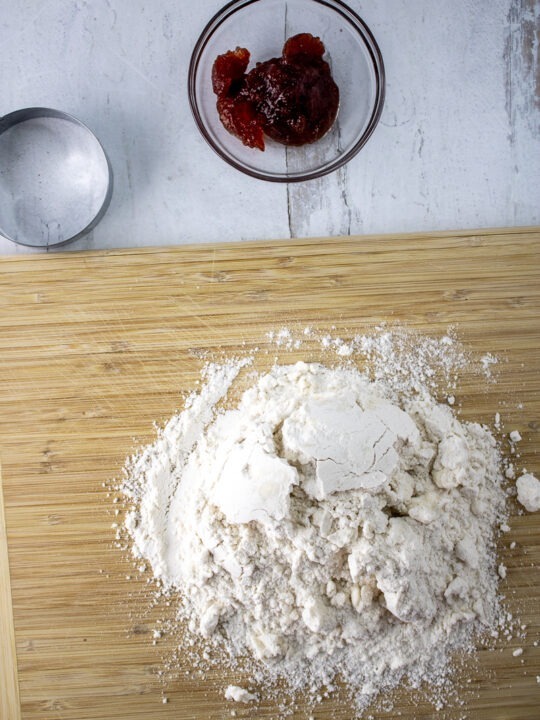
370	237
10	705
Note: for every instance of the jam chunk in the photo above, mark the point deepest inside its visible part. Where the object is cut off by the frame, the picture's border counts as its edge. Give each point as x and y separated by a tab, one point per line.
292	99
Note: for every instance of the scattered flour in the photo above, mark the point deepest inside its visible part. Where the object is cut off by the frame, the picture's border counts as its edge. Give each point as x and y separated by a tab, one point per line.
334	524
488	360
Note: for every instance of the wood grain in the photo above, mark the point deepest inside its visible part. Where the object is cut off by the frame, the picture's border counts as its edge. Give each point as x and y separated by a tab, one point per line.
94	347
9	699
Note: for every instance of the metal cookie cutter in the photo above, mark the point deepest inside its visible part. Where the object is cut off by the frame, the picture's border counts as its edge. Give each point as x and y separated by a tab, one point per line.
55	178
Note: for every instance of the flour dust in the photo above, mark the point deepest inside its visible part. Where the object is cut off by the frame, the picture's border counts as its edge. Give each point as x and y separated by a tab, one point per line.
337	524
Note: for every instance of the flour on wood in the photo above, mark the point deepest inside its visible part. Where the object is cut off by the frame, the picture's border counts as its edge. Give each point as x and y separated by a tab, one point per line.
331	525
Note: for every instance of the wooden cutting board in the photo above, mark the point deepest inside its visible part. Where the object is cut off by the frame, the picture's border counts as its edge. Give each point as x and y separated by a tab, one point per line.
95	346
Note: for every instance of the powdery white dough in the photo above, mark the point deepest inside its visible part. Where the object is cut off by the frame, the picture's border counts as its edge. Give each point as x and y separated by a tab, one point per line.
327	526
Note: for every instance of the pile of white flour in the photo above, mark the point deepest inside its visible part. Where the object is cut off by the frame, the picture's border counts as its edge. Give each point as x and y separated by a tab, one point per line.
329	526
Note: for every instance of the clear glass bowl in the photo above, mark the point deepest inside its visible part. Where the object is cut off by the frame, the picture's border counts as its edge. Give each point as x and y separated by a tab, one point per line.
262	26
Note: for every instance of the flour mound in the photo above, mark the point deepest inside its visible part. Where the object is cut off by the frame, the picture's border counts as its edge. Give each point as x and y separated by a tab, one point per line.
330	526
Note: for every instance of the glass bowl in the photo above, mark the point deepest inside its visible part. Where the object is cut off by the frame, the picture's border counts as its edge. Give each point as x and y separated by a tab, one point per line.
262	26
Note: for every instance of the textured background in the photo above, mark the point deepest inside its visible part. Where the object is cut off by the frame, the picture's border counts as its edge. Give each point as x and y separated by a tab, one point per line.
458	145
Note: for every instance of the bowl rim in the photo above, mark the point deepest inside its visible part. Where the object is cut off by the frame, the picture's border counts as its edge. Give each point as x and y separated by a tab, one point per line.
30	113
380	90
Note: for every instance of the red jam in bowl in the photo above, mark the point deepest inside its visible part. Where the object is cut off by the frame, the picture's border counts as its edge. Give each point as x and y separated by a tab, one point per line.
292	99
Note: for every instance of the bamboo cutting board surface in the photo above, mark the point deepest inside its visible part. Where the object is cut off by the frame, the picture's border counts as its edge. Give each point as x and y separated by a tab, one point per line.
96	346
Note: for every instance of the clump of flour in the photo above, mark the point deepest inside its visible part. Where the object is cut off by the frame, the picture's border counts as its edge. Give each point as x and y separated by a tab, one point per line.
333	525
528	492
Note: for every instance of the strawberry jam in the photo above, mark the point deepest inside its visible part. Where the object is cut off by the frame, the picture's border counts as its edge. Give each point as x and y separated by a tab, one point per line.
292	99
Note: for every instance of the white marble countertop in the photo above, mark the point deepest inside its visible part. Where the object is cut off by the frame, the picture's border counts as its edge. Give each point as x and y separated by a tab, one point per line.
458	145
